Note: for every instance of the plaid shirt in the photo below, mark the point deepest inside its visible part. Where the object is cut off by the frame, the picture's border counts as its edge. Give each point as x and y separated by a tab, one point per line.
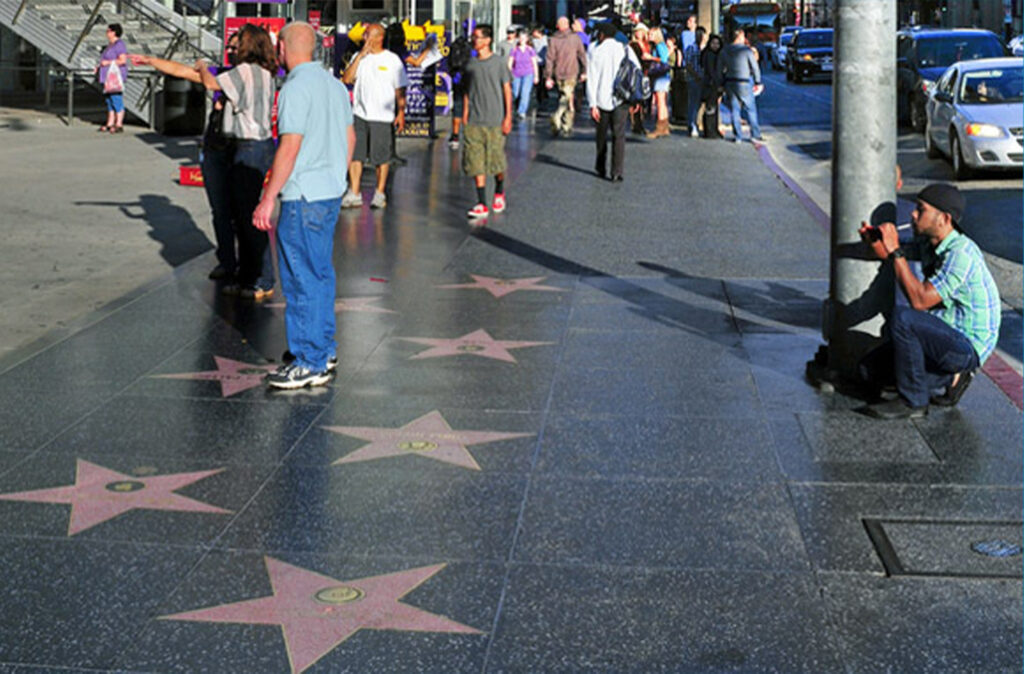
970	300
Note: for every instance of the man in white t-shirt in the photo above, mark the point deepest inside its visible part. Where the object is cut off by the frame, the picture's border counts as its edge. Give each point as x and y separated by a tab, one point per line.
379	94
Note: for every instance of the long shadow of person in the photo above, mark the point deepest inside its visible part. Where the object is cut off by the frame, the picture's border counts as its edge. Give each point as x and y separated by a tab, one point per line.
170	225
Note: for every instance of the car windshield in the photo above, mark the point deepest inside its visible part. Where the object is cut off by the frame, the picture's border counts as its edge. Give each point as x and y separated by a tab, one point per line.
823	39
993	86
943	51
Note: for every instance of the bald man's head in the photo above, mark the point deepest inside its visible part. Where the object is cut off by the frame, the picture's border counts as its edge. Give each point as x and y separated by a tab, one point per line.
374	36
299	38
562	24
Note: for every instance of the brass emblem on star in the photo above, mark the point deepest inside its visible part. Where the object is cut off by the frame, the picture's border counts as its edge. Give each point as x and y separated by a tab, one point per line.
339	594
470	348
126	486
417	446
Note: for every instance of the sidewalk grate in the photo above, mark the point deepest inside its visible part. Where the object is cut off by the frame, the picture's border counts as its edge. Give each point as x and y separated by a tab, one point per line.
947	548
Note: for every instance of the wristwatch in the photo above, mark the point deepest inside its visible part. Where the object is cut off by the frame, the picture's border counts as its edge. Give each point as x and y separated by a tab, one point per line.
899	252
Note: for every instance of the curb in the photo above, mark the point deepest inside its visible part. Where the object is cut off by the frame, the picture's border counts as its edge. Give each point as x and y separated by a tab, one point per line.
996	368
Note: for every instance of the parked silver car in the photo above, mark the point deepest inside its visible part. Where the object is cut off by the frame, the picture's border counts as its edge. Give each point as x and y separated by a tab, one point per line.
778	58
974	115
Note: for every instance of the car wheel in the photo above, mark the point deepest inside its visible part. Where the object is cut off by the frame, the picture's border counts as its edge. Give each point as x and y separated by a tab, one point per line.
930	148
798	75
960	168
917	119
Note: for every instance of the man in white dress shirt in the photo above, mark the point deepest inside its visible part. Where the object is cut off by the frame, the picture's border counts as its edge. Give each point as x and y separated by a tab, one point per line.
607	109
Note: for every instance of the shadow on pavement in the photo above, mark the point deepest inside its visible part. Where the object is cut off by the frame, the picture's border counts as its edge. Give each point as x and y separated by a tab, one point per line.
170	225
184	149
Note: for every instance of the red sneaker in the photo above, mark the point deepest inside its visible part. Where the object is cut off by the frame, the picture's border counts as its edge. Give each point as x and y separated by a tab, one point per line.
479	211
499	203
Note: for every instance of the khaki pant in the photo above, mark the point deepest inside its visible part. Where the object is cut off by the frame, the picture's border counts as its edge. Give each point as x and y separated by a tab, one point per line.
561	121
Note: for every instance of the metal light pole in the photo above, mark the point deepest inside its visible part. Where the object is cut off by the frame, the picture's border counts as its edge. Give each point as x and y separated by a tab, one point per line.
863	176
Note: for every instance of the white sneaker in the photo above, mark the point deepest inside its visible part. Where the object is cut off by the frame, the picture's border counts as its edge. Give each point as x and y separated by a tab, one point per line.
379	200
352	200
292	376
694	133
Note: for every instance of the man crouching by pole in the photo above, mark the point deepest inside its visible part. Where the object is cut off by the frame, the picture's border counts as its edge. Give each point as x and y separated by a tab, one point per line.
315	142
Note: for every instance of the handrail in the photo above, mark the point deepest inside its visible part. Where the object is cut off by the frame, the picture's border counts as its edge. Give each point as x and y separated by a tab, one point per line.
70	74
171	48
85	31
178	31
17	14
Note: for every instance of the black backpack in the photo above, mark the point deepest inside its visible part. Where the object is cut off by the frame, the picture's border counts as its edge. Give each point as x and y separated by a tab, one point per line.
631	85
459	53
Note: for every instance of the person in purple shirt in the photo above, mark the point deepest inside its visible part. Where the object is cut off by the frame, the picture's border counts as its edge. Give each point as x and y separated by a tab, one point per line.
578	27
115	54
522	61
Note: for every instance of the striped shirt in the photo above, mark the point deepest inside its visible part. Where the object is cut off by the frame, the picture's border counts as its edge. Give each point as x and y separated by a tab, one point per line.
970	300
249	90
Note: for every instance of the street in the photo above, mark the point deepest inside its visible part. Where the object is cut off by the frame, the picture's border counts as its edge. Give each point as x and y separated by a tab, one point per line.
800	135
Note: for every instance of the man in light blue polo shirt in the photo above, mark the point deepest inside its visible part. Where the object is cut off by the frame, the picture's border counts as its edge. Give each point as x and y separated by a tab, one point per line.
315	141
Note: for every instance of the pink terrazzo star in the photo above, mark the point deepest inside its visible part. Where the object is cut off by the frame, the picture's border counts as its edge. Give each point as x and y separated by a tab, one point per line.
499	287
317	612
360	304
234	376
100	494
429	436
477	343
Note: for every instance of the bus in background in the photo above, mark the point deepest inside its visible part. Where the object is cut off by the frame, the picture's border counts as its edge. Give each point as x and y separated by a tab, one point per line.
760	20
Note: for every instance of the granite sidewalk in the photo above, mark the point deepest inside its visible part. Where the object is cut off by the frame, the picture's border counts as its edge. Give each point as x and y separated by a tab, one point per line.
575	439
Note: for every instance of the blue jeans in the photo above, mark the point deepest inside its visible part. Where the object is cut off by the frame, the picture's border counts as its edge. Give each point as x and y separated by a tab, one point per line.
521	89
693	100
216	165
249	166
305	245
926	353
741	95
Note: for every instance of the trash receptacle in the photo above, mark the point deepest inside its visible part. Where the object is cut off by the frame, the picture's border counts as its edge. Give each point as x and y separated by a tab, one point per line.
678	97
180	108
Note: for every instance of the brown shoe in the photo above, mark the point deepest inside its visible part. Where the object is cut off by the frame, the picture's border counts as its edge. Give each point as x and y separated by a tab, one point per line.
660	129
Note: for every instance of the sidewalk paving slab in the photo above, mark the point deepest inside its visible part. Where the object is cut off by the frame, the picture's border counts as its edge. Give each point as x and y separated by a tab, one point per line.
649	485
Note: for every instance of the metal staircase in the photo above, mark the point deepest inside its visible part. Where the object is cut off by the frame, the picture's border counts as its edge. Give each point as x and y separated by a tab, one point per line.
73	33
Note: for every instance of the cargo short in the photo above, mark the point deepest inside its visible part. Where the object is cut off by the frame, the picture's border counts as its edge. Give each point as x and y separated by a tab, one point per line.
483	150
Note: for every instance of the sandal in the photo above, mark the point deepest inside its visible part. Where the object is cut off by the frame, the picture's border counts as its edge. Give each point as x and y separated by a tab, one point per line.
117	129
103	129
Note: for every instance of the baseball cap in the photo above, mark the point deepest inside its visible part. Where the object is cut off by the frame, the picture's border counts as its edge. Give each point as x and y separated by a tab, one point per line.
946	198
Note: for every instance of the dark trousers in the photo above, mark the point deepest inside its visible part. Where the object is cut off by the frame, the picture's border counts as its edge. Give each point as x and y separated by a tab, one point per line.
926	353
252	160
216	167
617	119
